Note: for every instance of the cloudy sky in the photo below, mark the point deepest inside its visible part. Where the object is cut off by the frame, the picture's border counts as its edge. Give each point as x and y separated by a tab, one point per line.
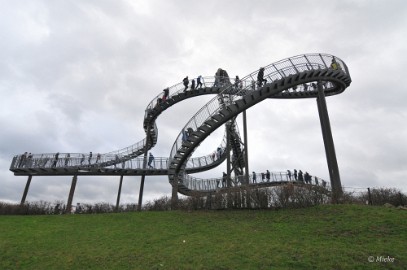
76	76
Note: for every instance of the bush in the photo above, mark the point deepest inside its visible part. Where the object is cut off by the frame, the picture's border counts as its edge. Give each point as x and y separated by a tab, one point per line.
298	196
284	196
32	208
380	196
160	204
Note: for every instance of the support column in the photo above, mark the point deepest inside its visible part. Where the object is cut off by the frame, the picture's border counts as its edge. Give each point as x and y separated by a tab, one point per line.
174	197
174	194
118	193
247	194
140	195
329	145
246	152
143	177
228	169
27	186
71	192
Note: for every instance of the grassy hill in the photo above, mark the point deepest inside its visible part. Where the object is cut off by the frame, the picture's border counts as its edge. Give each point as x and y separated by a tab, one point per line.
323	237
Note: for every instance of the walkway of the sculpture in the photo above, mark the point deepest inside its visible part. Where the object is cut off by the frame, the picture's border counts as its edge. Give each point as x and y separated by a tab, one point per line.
291	78
159	166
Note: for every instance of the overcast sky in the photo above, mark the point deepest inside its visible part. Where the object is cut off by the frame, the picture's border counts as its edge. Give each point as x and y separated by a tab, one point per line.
76	76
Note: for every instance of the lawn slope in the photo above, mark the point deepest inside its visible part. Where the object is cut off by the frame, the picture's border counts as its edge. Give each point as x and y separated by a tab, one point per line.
323	237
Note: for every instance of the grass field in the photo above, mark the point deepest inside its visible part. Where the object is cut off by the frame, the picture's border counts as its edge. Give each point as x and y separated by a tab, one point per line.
323	237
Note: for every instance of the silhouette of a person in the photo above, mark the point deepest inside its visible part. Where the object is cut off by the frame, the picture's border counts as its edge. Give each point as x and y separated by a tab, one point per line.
150	160
199	82
186	82
192	84
260	77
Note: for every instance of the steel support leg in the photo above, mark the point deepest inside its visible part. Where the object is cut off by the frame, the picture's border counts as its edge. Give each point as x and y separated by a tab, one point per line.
27	186
143	177
174	198
246	152
228	169
71	192
119	193
247	193
140	195
329	145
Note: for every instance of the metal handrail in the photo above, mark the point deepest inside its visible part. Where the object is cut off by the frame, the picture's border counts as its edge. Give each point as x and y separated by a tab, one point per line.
230	88
273	72
214	184
48	161
117	156
173	91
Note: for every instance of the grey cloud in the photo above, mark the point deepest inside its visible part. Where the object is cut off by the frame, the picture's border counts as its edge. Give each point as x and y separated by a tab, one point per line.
77	77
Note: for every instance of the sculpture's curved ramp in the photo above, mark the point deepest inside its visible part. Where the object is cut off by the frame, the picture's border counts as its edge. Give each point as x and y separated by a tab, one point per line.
294	77
120	161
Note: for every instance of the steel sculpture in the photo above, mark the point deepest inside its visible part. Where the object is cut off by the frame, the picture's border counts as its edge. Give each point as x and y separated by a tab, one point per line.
303	76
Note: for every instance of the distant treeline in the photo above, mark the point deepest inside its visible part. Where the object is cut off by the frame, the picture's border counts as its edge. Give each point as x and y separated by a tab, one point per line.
287	196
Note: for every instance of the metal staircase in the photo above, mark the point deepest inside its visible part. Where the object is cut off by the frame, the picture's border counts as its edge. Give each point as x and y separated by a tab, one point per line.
291	78
288	78
120	161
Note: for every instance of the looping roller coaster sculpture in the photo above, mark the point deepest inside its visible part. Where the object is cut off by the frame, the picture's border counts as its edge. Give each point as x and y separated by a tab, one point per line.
302	76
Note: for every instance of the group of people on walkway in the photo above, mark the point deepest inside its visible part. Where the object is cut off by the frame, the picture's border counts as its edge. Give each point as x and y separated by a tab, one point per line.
303	177
265	176
221	79
186	133
25	160
289	176
194	85
216	155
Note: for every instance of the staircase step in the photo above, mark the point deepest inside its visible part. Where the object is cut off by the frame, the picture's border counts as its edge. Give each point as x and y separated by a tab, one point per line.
204	128
210	122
